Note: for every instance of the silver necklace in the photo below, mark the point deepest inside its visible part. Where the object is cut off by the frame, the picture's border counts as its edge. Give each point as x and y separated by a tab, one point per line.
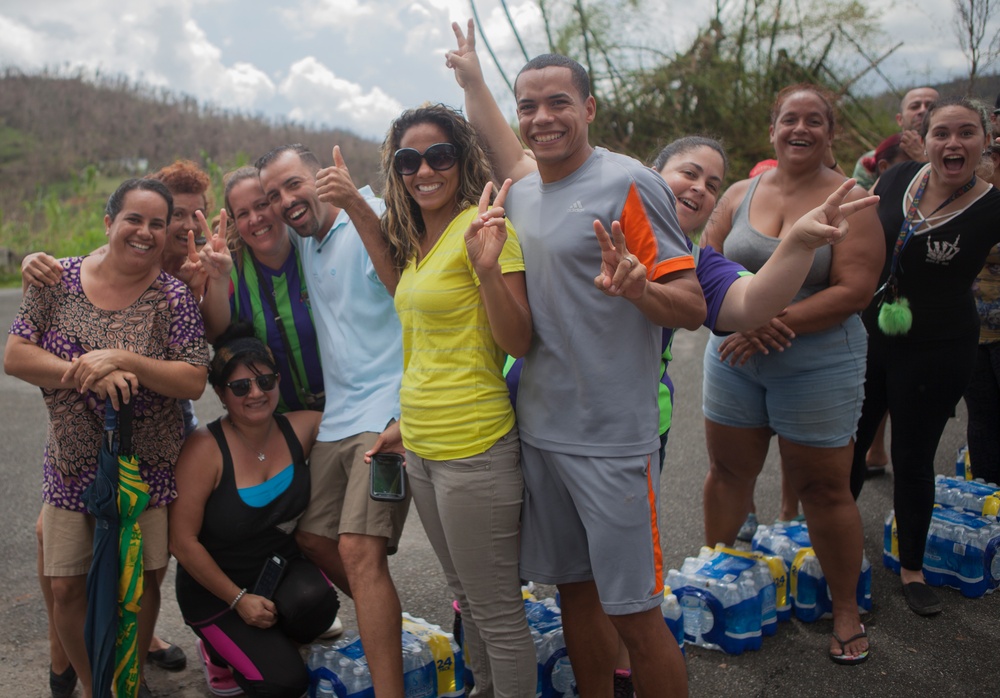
261	456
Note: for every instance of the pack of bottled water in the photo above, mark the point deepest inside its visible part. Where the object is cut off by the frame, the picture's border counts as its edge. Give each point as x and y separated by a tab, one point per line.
444	653
973	496
555	674
808	589
340	669
720	596
961	551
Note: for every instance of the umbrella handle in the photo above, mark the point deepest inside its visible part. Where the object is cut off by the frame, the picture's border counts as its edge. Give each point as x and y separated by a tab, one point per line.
121	420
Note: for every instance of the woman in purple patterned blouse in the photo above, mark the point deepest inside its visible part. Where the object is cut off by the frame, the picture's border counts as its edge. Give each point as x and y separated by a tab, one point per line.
114	321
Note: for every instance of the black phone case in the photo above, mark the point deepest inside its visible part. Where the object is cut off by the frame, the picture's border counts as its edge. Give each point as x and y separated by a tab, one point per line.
383	496
270	576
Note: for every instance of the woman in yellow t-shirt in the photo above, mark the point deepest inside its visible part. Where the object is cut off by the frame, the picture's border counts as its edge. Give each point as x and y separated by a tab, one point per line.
461	299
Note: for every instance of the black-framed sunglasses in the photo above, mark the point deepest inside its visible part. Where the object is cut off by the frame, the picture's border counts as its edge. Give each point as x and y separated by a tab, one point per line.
439	157
265	381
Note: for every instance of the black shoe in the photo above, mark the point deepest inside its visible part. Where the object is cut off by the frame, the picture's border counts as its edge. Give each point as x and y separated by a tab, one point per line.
172	658
62	685
921	599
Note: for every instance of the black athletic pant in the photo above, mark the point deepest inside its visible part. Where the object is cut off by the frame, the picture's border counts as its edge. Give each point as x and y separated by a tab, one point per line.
918	382
982	397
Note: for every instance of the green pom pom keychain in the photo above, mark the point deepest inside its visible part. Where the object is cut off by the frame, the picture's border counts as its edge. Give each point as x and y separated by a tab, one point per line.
895	318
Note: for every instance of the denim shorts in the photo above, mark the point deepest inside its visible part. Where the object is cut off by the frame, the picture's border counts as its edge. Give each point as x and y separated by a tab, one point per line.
811	393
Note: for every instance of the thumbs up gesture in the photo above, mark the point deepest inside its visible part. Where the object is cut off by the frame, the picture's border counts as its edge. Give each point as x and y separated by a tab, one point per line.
334	184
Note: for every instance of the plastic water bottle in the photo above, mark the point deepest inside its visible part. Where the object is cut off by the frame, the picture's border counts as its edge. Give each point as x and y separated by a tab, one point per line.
562	679
419	670
721	609
809	591
670	609
974	496
962	552
551	652
325	689
963	467
358	682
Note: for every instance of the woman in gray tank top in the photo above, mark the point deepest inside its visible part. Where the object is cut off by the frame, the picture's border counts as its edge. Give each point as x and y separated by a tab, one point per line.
801	376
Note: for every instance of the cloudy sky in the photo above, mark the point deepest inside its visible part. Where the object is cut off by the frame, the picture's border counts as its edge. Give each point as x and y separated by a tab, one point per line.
355	63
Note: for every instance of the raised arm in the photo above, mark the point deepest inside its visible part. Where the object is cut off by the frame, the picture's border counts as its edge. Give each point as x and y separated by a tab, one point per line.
753	300
335	186
216	262
505	150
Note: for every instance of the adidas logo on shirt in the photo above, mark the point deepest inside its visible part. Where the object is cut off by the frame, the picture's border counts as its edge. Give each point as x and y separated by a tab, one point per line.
577	207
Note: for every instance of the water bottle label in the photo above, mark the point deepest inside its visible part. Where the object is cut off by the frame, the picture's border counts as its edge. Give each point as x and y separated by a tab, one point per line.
979	489
960	518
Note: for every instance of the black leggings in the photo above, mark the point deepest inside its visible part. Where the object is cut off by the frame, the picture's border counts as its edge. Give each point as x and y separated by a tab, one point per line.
918	382
266	662
982	397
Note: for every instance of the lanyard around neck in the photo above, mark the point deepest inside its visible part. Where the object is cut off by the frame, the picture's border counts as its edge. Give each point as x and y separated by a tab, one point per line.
910	222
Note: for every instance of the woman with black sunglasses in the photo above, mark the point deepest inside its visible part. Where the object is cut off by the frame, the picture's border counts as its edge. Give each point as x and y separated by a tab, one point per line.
242	483
460	293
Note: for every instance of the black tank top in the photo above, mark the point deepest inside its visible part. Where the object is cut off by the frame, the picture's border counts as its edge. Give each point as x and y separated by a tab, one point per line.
240	537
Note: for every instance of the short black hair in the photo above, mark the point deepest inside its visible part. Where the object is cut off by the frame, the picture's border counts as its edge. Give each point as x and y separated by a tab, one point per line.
581	79
303	152
117	199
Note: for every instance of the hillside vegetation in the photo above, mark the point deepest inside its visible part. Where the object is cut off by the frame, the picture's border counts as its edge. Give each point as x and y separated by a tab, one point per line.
66	142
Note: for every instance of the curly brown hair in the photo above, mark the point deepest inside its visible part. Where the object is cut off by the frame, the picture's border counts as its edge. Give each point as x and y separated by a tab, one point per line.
402	222
185	177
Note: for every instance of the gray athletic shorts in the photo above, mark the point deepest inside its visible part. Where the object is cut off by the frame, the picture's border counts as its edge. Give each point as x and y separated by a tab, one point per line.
594	519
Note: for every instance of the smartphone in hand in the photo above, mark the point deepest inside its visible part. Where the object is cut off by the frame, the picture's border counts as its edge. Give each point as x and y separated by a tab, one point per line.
388	478
270	576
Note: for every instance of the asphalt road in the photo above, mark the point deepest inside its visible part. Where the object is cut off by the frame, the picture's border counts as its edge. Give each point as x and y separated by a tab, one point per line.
952	654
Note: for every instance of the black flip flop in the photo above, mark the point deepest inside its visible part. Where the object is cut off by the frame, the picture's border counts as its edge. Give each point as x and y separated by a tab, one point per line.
849	659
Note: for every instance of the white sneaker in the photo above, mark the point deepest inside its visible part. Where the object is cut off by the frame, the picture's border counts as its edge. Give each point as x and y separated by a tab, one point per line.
336	629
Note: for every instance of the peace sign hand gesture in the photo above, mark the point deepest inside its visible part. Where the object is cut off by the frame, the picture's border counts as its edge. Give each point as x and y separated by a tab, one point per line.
464	60
827	224
214	258
622	274
487	233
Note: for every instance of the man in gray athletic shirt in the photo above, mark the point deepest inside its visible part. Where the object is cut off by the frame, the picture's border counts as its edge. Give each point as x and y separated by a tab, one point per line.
586	404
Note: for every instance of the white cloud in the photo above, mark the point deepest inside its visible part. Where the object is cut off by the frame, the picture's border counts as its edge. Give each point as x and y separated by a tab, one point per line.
320	96
241	85
311	15
22	46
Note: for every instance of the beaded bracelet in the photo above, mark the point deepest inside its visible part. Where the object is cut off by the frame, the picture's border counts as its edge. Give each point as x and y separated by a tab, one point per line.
237	599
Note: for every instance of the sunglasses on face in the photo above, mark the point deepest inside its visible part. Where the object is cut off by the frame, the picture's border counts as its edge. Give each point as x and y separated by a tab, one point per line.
265	382
439	157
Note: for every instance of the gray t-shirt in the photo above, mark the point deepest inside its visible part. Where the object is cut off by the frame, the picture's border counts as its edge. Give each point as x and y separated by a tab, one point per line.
589	382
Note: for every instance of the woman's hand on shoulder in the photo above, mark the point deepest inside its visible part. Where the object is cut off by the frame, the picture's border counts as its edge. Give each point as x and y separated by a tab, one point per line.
40	269
257	611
